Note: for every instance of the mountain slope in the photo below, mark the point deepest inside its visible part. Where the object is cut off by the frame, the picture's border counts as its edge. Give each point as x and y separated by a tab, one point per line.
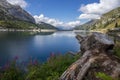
107	21
86	25
13	12
43	25
13	16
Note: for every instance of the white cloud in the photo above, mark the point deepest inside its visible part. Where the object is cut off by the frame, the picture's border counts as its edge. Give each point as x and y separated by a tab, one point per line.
97	9
89	16
72	24
21	3
55	22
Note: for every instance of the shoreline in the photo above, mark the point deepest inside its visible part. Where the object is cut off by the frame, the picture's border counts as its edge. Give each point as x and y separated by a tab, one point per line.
89	31
28	30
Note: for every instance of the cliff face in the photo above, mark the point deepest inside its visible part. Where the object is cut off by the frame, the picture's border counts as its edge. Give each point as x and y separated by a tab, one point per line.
13	12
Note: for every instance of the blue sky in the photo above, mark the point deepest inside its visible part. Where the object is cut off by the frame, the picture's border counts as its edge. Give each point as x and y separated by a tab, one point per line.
64	10
66	13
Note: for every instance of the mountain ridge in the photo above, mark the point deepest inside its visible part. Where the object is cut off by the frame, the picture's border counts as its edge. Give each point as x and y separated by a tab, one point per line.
14	17
14	12
86	25
106	22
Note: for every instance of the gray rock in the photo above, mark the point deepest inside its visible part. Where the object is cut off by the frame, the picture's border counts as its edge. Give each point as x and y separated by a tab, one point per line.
15	11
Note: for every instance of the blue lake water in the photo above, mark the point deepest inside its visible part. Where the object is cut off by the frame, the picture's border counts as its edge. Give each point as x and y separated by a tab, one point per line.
36	46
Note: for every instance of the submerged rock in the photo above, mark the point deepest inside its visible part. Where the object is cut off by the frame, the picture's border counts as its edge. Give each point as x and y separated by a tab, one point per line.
95	58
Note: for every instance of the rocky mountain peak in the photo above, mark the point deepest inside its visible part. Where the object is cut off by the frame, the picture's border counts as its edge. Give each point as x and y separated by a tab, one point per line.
4	3
15	11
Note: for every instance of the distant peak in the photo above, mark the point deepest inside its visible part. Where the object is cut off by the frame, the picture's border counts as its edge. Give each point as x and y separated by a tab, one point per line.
3	0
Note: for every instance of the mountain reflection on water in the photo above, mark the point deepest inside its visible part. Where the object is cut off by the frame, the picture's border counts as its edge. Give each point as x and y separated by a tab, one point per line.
38	46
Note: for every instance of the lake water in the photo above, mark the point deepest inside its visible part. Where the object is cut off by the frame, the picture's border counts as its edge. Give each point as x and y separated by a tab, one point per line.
36	46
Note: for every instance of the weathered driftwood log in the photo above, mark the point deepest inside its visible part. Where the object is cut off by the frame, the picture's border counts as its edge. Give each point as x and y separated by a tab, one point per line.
97	41
95	52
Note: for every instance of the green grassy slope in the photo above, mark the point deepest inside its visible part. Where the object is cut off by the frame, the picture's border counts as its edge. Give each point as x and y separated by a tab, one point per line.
17	24
45	26
86	26
9	21
106	22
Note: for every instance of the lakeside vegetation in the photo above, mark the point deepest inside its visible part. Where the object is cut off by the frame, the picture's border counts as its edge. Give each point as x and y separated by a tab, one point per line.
50	70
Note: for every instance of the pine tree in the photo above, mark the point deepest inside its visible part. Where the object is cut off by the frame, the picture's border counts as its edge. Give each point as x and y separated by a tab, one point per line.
116	25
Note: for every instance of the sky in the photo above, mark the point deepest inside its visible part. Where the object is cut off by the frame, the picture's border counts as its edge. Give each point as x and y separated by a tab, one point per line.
66	13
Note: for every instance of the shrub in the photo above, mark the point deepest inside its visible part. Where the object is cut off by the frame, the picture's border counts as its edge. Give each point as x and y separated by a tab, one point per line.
11	72
103	76
117	48
50	70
